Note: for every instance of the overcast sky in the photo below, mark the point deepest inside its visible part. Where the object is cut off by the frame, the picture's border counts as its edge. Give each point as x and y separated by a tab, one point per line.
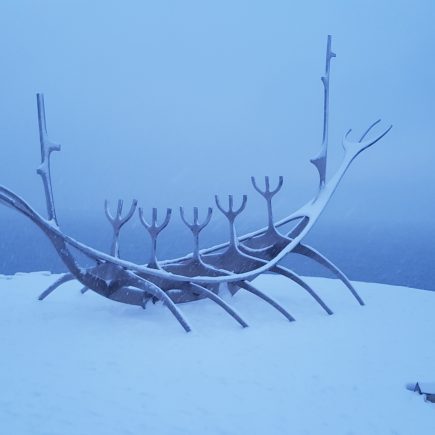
173	101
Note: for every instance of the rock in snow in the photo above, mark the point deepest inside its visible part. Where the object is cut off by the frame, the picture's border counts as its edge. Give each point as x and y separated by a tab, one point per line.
80	364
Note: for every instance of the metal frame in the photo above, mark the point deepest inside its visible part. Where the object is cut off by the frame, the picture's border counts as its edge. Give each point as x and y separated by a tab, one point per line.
200	274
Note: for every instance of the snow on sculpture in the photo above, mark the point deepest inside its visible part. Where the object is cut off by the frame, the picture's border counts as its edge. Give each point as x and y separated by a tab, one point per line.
197	275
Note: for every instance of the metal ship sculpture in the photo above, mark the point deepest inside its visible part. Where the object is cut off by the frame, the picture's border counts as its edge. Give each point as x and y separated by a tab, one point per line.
201	273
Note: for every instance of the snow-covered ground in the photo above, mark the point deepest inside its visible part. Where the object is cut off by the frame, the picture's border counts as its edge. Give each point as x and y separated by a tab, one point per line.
80	364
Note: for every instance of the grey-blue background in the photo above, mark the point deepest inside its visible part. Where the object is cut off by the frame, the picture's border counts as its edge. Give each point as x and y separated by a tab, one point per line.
172	101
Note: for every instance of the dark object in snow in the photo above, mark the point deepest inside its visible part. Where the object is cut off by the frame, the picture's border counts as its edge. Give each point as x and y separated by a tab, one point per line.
425	388
198	275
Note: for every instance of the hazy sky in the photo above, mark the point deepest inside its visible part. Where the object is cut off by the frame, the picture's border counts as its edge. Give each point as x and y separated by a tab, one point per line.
173	101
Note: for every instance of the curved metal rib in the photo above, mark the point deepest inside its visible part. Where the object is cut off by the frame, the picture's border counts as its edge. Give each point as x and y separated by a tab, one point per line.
298	280
63	279
153	290
251	289
311	253
215	298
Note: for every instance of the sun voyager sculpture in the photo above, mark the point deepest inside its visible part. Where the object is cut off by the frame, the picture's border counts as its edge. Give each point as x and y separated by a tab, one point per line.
201	273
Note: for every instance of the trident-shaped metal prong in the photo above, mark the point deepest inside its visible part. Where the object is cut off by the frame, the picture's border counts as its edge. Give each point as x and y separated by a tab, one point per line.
118	222
153	228
154	231
196	227
231	215
268	194
356	147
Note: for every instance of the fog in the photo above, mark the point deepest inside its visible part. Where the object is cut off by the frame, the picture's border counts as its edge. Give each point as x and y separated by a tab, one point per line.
171	102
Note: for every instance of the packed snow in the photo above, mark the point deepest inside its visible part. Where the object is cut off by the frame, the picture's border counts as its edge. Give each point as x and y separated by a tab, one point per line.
78	364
